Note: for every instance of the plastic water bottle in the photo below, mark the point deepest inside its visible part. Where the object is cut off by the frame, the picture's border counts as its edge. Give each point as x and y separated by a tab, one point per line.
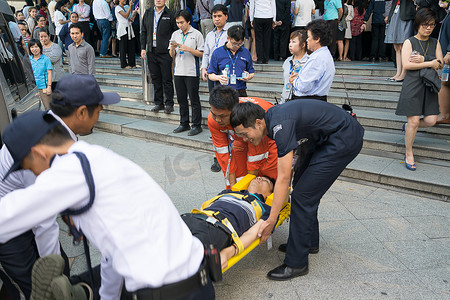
226	72
445	71
297	66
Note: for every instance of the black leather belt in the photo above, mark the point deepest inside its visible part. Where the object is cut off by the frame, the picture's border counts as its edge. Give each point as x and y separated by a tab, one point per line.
175	290
323	98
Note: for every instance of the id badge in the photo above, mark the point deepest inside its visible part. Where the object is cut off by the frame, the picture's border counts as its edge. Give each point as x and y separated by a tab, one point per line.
233	79
396	9
154	36
288	87
181	52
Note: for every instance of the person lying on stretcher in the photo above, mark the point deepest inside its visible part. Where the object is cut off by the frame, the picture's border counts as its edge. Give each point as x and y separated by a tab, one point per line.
245	211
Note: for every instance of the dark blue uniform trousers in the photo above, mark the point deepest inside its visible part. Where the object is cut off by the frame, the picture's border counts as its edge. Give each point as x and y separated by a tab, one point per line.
317	172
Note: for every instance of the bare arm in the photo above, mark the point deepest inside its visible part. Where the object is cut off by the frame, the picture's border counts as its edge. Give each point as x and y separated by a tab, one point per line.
416	62
247	238
279	195
340	13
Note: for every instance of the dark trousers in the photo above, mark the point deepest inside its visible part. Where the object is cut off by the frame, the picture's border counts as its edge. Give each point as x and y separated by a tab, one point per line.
86	31
263	29
211	85
317	172
378	46
127	48
188	86
281	41
355	51
17	257
160	67
334	28
207	233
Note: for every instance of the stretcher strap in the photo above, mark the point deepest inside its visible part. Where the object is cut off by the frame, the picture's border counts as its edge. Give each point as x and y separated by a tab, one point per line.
217	215
256	207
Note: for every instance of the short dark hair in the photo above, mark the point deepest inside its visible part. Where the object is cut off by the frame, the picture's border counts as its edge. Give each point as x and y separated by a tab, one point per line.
44	29
74	13
223	97
320	30
220	7
424	16
245	114
184	13
39	16
57	136
61	108
75	25
59	5
34	42
236	33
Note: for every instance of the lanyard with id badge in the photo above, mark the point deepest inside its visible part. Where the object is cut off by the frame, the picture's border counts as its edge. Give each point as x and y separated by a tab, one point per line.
233	77
155	24
183	40
296	67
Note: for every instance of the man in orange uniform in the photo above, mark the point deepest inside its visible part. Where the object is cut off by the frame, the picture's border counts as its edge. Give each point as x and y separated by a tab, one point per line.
245	158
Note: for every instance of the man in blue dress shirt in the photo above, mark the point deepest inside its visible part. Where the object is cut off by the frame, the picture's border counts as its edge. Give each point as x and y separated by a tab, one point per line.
315	78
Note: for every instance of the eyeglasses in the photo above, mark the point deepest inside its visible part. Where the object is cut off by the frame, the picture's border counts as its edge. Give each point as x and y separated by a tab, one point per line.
428	25
237	44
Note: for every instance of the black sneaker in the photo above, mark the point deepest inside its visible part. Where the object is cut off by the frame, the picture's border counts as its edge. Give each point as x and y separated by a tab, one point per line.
215	167
168	109
157	108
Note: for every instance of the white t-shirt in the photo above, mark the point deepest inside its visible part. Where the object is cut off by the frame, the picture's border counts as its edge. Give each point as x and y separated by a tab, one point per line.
304	13
186	64
58	16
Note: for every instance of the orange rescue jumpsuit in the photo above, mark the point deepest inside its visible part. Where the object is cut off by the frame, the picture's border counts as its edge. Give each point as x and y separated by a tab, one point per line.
245	157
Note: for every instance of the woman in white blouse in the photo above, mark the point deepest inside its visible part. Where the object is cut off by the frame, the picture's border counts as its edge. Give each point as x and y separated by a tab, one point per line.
125	34
60	20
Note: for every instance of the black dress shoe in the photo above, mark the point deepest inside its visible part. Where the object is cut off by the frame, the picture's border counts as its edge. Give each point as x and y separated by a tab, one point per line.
168	109
215	167
181	128
259	61
312	250
195	130
157	108
285	272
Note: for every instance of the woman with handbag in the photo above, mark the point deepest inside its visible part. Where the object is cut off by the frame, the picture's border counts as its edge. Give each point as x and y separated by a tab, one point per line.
421	58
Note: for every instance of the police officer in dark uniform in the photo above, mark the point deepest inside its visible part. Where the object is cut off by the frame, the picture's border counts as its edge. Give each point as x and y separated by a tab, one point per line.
158	24
335	139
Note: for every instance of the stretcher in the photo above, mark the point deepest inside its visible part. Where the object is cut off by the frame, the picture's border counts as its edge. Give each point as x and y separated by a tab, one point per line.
284	215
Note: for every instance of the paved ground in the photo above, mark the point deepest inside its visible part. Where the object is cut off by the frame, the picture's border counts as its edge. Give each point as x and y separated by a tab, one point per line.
375	243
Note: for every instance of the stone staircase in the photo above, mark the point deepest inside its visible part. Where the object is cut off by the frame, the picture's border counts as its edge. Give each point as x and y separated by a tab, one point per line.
373	98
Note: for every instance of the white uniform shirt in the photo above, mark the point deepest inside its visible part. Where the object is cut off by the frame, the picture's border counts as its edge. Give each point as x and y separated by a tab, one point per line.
123	23
263	9
304	13
214	39
46	233
101	10
187	64
132	222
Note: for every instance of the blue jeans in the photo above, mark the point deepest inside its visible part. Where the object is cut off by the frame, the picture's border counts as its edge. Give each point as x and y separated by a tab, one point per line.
105	29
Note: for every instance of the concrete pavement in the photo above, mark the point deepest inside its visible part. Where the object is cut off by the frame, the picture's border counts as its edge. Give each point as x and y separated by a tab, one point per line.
375	243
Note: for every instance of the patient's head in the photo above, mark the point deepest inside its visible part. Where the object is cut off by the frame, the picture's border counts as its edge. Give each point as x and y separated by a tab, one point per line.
261	185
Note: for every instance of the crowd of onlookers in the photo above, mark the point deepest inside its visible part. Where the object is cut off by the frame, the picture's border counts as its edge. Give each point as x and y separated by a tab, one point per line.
218	41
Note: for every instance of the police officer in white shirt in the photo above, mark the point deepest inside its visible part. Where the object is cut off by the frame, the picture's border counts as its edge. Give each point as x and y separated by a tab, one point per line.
17	256
142	238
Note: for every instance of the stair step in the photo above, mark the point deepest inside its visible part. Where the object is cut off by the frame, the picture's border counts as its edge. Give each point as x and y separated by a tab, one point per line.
429	178
427	145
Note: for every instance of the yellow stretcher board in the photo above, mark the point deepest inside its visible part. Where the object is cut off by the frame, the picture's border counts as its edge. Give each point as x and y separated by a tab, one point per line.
284	215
